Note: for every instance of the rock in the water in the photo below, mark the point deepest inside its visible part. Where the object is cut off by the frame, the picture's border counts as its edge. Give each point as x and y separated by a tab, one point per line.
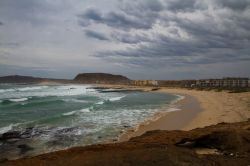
10	135
24	148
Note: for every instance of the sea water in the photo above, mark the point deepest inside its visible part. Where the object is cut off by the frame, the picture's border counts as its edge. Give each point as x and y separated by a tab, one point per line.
55	117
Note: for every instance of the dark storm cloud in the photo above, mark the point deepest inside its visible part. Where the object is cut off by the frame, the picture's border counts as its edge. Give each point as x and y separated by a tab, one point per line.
136	15
176	5
95	35
235	5
191	31
112	19
129	38
148	34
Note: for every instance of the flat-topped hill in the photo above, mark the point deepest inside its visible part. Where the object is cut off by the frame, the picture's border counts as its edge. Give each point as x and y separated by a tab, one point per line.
102	78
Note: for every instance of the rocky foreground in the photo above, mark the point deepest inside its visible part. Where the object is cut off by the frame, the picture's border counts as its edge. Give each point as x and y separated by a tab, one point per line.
222	144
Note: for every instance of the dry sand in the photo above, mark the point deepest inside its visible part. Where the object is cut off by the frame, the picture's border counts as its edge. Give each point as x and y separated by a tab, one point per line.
217	107
198	109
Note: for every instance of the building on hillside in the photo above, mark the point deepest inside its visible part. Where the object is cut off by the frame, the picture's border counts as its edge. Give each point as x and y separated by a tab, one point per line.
145	83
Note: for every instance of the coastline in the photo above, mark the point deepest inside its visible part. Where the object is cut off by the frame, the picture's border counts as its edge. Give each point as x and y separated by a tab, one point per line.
222	144
186	110
197	110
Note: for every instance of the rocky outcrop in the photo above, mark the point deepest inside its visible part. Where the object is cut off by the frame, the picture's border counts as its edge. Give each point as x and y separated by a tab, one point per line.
101	78
222	144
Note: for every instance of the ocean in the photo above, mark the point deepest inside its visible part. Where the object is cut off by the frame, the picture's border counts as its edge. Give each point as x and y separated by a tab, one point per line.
44	118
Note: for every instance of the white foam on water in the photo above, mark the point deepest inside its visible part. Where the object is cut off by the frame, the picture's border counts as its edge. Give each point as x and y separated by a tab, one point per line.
19	100
46	91
6	90
110	100
100	103
70	113
23	89
31	88
86	110
8	128
180	98
116	98
67	90
173	109
75	100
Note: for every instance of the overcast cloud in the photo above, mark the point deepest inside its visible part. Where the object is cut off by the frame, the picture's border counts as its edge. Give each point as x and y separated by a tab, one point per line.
144	39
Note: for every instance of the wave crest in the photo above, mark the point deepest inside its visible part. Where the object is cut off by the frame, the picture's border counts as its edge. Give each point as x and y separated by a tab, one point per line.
18	100
86	110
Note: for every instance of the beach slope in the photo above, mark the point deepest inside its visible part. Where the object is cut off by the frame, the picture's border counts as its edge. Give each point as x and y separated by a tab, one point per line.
222	144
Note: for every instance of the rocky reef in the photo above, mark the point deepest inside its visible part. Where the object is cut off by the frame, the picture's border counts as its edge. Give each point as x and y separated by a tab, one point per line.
222	144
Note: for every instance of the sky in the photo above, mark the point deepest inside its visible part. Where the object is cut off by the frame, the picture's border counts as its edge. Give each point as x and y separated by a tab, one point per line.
142	39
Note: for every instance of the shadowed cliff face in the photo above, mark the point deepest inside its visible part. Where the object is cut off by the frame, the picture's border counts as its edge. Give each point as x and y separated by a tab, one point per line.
101	78
222	144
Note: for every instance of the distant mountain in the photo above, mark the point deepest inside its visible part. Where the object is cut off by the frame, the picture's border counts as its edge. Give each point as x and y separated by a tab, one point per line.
29	79
85	78
101	78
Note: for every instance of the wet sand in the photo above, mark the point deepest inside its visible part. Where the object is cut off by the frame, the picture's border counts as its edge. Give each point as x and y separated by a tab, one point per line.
176	120
198	109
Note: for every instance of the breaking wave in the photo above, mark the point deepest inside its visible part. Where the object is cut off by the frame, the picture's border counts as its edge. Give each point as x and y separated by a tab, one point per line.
116	98
18	100
23	89
86	110
8	128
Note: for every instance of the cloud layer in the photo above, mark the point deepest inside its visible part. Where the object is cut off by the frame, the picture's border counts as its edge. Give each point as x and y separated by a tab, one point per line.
142	39
174	32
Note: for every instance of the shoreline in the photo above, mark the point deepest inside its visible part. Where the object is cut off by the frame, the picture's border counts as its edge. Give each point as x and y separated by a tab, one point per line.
187	108
199	109
158	148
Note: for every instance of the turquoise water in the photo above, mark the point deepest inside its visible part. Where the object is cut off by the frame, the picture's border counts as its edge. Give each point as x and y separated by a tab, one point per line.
61	116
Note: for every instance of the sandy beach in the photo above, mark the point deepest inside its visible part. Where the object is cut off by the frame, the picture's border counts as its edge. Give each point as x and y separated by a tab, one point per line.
198	109
217	107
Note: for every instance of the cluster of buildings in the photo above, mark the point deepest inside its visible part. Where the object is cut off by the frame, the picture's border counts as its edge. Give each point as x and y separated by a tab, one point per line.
225	82
228	82
145	83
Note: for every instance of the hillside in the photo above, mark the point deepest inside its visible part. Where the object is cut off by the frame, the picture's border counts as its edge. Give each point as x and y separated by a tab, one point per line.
102	78
29	79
